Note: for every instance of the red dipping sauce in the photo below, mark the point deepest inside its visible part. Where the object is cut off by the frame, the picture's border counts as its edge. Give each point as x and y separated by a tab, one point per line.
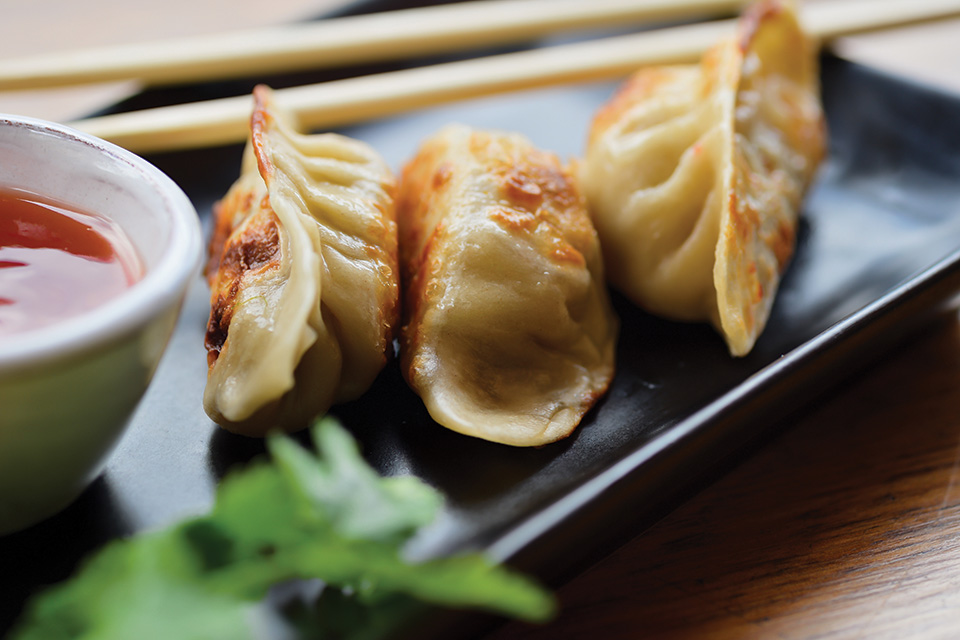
57	262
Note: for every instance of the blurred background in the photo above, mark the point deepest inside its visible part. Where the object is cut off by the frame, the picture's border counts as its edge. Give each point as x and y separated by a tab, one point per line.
924	52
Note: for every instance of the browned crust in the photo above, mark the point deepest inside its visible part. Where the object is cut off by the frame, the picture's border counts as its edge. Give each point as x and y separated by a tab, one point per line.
254	248
534	189
535	195
424	179
238	249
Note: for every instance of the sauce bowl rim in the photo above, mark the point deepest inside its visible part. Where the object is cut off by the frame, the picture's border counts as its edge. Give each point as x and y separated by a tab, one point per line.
162	285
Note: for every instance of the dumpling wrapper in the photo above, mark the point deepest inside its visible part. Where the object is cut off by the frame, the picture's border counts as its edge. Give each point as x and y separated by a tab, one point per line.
304	277
695	175
508	331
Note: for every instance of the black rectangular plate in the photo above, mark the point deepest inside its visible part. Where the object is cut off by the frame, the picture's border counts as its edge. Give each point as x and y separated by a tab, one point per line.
875	258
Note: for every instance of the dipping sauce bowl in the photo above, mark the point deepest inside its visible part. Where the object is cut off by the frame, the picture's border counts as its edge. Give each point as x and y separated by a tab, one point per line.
69	386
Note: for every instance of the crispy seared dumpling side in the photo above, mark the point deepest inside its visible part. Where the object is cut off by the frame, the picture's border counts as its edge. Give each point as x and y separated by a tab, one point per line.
779	140
508	332
695	175
305	296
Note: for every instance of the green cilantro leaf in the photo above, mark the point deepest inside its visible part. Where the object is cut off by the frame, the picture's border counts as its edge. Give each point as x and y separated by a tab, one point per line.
327	516
147	588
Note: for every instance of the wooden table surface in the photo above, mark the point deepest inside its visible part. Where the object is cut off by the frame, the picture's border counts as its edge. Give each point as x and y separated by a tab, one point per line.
847	525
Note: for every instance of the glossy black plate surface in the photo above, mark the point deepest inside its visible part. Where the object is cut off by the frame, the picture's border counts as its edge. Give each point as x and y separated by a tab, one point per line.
875	257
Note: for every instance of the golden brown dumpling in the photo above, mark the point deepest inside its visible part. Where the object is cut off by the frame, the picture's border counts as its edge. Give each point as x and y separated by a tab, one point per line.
695	175
508	330
304	277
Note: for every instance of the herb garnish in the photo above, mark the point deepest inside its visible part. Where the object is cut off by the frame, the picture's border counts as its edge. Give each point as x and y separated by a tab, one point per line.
327	516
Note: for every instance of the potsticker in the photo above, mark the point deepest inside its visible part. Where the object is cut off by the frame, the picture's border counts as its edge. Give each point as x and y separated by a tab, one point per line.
303	275
695	175
508	330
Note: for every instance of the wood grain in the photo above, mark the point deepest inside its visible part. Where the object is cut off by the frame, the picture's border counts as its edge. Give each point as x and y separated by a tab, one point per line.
847	526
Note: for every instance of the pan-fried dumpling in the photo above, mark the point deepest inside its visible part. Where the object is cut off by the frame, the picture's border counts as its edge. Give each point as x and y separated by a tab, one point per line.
303	275
508	331
695	175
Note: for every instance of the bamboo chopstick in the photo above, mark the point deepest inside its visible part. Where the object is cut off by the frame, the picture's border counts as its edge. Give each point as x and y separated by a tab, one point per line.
352	100
335	42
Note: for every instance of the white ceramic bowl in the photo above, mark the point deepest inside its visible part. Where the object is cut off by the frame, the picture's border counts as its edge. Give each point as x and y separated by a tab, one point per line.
68	390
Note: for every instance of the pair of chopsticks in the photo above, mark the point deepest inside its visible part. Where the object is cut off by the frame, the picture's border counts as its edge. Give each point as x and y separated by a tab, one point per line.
405	33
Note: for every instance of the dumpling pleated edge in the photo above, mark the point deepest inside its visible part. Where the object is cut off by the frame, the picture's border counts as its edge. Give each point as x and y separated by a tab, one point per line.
335	196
